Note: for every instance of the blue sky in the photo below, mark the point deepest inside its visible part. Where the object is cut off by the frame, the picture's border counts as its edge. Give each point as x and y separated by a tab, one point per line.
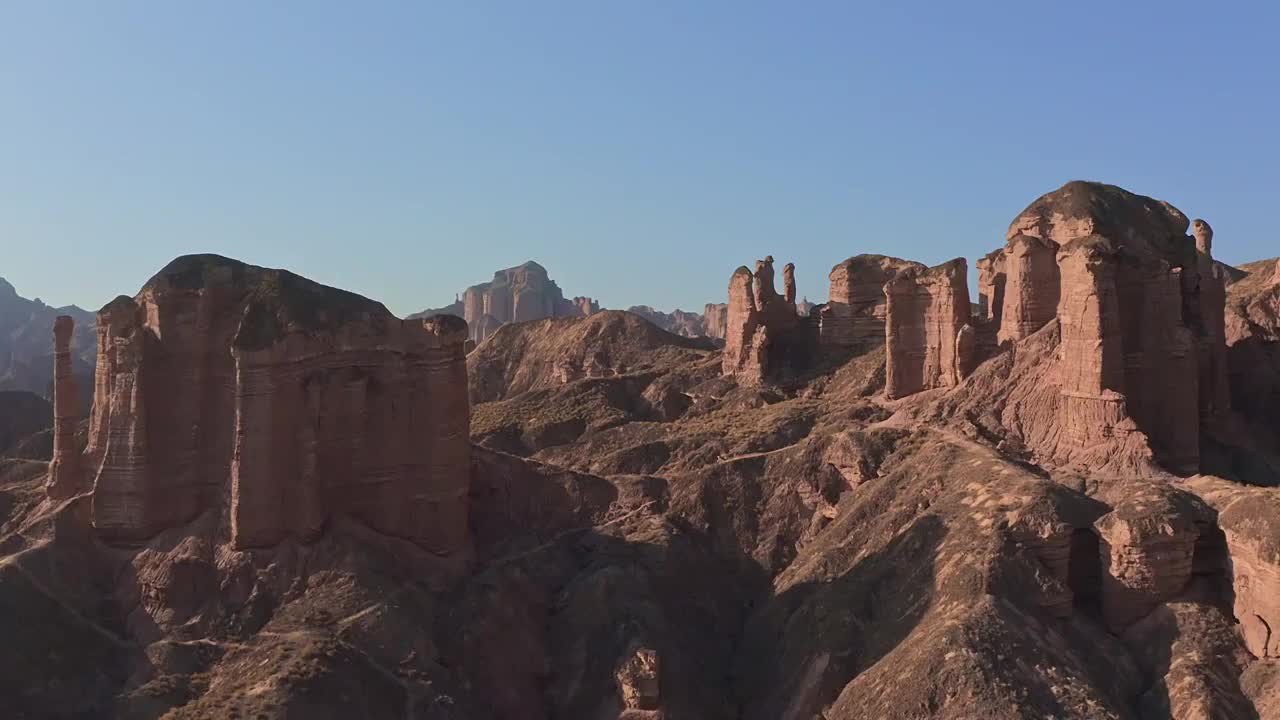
640	150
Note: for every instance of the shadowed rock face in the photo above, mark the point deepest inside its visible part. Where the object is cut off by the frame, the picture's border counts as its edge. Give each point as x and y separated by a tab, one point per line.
925	315
279	403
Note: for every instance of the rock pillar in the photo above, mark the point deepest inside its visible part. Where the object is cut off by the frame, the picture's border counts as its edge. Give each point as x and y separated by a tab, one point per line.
65	470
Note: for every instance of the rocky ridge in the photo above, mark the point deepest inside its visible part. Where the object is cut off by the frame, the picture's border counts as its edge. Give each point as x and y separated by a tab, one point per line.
920	527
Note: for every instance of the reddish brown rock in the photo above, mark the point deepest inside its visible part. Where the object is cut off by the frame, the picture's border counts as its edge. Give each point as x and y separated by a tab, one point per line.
1031	288
1149	544
286	400
1136	303
715	320
743	352
761	338
925	314
1091	367
584	306
66	475
1208	284
854	317
1250	522
789	282
991	286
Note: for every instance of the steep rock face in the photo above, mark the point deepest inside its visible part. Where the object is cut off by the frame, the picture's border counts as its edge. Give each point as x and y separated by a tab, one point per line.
1253	362
1150	544
1250	521
854	317
65	472
715	320
1031	288
925	314
1137	301
765	337
991	284
278	403
517	294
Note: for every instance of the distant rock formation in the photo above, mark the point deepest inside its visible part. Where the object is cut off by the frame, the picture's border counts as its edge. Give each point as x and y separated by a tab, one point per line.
518	294
26	347
278	403
928	339
679	322
715	320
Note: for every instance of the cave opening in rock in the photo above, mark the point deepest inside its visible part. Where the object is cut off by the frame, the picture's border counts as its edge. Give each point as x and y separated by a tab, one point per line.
1211	568
1084	572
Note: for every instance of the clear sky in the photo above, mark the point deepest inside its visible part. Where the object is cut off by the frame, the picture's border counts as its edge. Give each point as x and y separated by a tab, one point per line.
640	150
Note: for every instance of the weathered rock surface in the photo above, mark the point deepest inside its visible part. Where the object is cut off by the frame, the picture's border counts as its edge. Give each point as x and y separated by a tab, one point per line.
854	317
517	294
925	312
1151	543
66	473
649	536
276	403
715	320
1250	522
765	337
1031	287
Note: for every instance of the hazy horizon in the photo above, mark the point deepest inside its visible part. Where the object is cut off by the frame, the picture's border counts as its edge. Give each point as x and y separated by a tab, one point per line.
641	154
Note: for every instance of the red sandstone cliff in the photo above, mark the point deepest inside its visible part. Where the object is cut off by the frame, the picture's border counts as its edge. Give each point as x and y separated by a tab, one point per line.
854	317
277	403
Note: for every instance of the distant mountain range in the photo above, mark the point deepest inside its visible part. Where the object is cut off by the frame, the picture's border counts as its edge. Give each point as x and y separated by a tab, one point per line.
26	344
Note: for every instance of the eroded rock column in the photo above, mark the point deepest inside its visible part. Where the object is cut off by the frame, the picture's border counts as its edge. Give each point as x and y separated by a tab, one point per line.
1092	354
926	312
1031	287
65	469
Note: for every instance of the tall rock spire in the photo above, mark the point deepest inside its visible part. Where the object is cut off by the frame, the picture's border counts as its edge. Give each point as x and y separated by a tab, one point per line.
65	475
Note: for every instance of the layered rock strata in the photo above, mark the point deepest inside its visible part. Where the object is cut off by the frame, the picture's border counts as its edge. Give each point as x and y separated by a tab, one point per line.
1031	287
928	340
517	294
66	475
1151	543
854	316
715	320
279	404
1142	352
1250	522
